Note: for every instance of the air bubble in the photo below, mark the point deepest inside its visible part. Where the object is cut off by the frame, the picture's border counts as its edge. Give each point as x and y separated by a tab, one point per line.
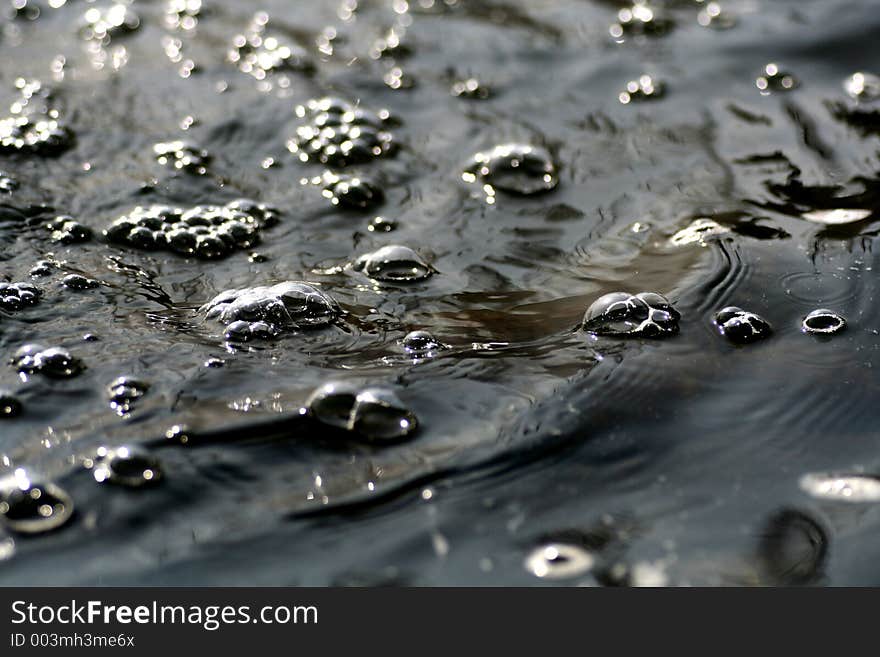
421	344
514	168
375	414
124	391
740	326
842	487
54	362
128	466
259	53
8	184
78	282
863	87
104	23
647	314
712	15
64	229
29	507
265	311
823	322
559	561
34	125
10	406
470	88
700	231
394	263
15	296
381	225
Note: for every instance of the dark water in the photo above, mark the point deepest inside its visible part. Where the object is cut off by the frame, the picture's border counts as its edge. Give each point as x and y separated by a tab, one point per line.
679	460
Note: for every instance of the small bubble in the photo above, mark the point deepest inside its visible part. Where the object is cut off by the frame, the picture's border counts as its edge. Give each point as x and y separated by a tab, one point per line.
394	263
128	466
421	344
838	217
740	326
647	314
374	414
8	184
823	322
65	230
10	406
559	561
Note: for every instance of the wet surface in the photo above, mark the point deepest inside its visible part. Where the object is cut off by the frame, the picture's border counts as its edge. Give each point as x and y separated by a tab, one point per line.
474	182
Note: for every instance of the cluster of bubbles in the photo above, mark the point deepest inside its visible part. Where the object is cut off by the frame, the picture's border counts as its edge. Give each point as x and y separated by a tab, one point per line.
183	156
64	229
712	15
15	296
208	231
645	88
863	87
339	134
259	54
183	14
105	23
124	391
773	78
514	168
79	282
470	88
348	191
647	314
374	414
127	465
393	263
263	312
639	20
740	326
33	124
53	362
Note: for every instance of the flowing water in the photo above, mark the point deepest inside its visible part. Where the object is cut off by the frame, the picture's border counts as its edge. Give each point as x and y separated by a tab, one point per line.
529	156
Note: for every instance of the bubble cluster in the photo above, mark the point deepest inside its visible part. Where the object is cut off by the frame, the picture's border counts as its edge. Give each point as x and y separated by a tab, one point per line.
182	155
740	326
339	134
124	391
823	322
10	406
54	362
470	88
645	88
30	507
374	414
559	561
258	54
127	465
421	344
775	79
207	231
354	192
842	487
263	312
700	231
183	14
15	296
863	87
33	125
8	184
646	314
64	229
104	23
394	263
514	168
381	225
79	282
712	15
639	20
41	268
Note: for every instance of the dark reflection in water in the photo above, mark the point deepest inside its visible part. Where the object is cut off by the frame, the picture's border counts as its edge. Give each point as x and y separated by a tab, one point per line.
517	183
